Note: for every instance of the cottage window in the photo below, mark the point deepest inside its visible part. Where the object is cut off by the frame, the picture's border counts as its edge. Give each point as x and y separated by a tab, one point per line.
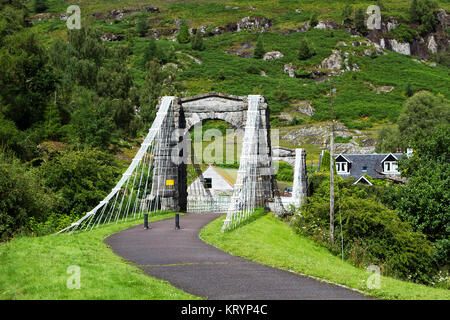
341	167
390	167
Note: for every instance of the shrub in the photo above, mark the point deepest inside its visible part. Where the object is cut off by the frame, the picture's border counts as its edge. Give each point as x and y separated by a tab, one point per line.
197	43
403	33
373	233
40	6
80	178
183	36
314	19
305	52
142	25
22	197
258	53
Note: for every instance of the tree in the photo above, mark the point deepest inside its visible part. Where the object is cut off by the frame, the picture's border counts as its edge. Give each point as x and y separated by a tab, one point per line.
151	51
80	178
27	82
360	17
423	201
314	19
413	11
346	14
259	51
305	51
158	82
142	25
197	43
22	197
40	6
409	90
422	112
183	36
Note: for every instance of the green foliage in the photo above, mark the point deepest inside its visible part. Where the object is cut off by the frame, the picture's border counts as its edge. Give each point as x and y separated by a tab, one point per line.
423	111
373	234
314	19
409	90
259	51
339	139
91	124
285	172
39	6
305	52
142	26
421	11
360	24
183	36
423	201
403	33
151	51
158	82
22	197
80	178
347	12
197	43
24	101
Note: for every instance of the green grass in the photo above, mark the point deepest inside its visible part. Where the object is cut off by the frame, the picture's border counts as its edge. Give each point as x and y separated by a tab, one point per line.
272	242
36	268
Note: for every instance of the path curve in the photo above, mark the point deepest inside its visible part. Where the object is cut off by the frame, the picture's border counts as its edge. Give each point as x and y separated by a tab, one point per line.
188	263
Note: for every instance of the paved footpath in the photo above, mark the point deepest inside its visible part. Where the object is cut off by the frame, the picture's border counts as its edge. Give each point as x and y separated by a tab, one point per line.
188	263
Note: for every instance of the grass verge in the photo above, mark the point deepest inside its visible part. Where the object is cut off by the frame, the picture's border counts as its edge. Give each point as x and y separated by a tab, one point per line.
272	242
36	268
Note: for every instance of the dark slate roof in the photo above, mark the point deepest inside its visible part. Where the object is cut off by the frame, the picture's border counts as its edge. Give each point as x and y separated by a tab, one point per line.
372	161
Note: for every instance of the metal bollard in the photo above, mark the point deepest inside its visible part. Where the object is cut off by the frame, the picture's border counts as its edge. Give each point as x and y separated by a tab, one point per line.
177	221
146	221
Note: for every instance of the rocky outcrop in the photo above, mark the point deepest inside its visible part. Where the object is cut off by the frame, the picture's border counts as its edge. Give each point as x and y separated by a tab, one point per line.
111	37
289	69
326	25
243	50
272	55
333	62
304	107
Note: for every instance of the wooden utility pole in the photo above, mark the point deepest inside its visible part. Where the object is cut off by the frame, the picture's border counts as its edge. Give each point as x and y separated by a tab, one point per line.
332	169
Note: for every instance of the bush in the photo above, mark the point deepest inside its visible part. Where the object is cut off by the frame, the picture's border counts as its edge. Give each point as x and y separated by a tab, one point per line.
80	178
197	43
314	19
305	52
403	33
22	197
259	52
39	6
183	36
373	233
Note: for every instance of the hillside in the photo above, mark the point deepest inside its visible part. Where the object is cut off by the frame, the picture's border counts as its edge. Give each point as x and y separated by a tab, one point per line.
371	82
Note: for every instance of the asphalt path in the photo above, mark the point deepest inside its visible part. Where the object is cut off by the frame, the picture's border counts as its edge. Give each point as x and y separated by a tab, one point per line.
188	263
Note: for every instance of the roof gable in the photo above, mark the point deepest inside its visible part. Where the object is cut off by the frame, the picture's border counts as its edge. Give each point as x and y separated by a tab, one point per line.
341	158
389	157
363	180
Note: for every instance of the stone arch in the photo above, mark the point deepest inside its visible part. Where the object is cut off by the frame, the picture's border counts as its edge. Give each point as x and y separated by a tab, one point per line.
190	111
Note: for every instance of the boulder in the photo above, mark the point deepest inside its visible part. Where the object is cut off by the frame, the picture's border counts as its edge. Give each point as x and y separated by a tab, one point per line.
272	55
333	62
289	69
304	107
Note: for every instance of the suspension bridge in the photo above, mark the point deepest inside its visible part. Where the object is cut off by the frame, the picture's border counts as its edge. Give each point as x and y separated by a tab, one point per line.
157	178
